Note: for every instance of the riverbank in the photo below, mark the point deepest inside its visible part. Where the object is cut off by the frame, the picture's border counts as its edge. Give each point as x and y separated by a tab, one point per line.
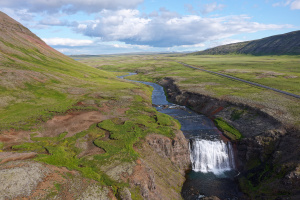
212	169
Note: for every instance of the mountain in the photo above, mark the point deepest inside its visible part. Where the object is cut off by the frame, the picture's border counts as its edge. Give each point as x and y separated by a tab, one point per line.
284	44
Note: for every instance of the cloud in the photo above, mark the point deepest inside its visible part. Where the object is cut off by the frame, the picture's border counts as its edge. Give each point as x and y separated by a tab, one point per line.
19	15
190	9
167	29
52	21
67	42
114	25
208	8
276	4
69	6
293	4
129	46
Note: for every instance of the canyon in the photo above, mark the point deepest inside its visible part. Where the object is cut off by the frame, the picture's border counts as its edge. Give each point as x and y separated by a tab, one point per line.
268	154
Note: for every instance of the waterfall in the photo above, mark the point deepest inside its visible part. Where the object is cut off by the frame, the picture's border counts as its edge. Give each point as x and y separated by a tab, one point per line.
211	156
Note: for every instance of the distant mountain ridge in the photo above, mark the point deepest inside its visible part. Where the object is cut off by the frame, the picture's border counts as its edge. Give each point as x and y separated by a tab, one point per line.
283	44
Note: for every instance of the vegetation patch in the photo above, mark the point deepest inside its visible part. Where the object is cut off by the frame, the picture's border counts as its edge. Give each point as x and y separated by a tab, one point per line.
227	129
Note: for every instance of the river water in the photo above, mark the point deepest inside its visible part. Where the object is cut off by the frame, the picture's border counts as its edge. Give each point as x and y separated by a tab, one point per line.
213	165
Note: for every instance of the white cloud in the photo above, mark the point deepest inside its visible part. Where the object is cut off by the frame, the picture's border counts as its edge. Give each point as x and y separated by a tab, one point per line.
69	51
69	6
19	15
53	21
129	46
276	4
168	29
208	8
193	45
295	5
67	42
190	9
115	25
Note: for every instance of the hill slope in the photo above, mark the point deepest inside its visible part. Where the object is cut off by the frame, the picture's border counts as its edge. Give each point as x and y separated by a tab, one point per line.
284	44
36	80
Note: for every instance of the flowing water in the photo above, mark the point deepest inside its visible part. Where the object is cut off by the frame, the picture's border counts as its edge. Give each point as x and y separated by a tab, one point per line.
212	155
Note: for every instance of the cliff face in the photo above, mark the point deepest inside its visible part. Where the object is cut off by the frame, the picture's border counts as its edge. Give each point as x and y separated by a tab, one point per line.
284	44
268	153
160	172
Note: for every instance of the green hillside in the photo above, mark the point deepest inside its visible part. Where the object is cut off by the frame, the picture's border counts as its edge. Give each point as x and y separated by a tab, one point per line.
36	81
284	44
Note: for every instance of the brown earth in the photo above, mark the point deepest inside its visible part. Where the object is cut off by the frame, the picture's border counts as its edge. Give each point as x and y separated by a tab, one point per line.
72	123
13	156
13	137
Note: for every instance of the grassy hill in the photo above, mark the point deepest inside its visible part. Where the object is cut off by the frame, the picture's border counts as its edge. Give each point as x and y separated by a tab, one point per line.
284	44
38	81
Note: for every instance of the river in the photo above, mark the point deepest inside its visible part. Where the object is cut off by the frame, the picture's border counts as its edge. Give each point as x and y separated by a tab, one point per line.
213	166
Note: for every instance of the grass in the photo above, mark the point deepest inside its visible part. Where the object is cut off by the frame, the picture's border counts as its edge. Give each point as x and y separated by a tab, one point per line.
37	82
281	72
227	129
141	119
61	151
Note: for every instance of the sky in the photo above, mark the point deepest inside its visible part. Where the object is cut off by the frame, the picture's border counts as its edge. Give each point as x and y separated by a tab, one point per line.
93	27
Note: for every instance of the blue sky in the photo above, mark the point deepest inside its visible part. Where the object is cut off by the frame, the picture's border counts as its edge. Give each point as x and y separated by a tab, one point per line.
125	26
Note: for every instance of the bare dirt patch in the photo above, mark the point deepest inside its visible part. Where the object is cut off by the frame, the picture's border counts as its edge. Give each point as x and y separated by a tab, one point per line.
13	137
291	76
237	71
72	123
268	74
12	156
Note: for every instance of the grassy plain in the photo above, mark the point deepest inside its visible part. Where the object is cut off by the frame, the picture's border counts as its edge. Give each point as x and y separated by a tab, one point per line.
281	72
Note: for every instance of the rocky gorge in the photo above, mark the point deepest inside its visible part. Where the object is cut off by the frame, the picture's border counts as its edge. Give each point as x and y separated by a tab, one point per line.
268	153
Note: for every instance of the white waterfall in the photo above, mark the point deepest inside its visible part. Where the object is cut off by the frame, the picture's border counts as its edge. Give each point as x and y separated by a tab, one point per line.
211	156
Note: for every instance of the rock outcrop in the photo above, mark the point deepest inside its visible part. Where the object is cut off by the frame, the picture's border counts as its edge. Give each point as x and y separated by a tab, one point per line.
34	180
160	172
177	149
